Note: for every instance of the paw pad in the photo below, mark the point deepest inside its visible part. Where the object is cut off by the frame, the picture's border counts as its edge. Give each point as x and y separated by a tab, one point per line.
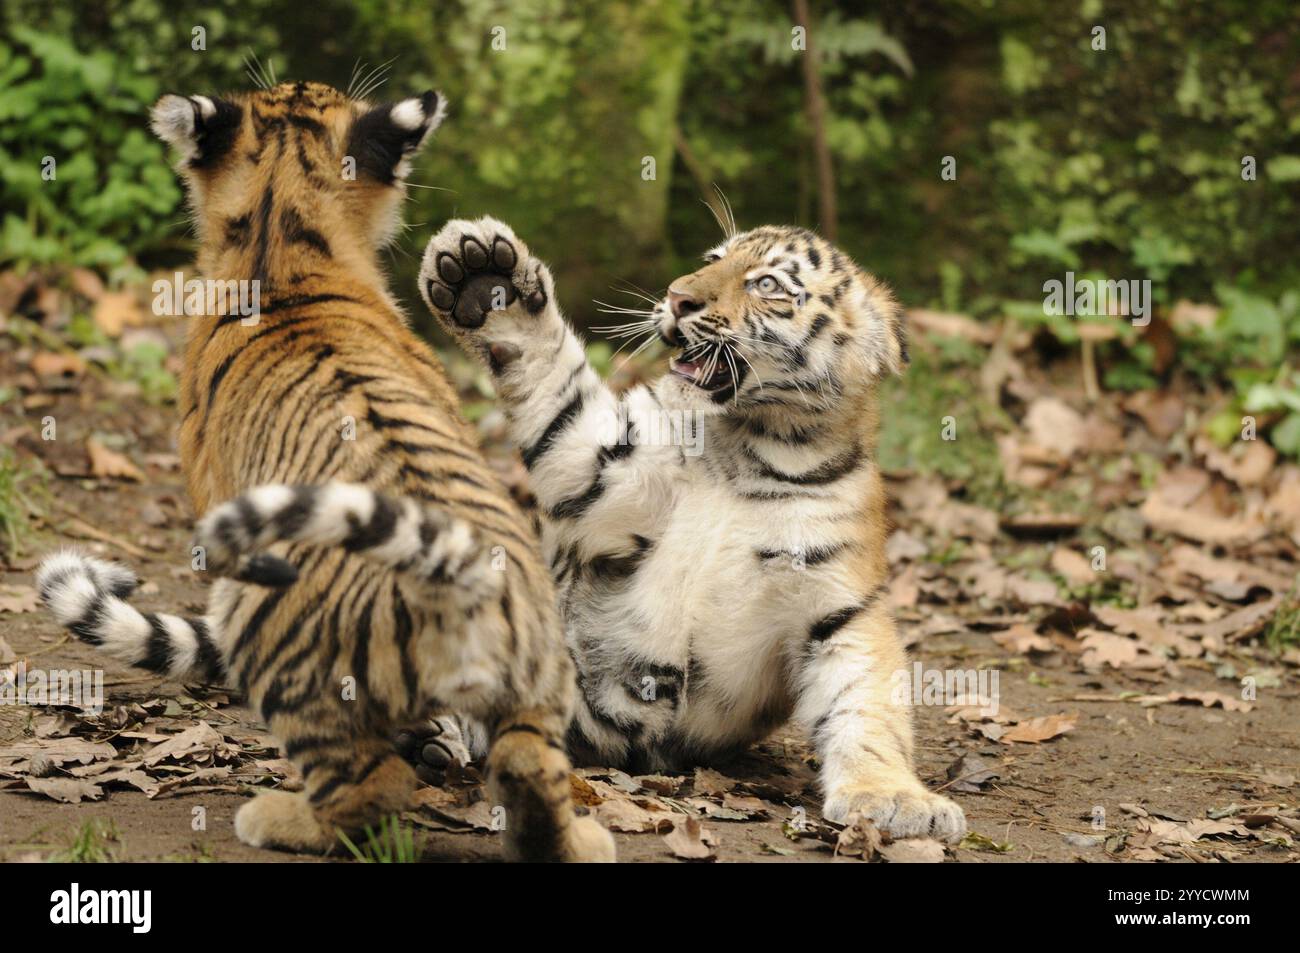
475	274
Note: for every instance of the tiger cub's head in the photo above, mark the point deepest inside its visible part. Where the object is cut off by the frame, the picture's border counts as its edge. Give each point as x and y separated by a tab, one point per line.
778	318
289	177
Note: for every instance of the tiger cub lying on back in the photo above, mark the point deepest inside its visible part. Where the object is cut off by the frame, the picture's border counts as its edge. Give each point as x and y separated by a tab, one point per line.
708	598
359	541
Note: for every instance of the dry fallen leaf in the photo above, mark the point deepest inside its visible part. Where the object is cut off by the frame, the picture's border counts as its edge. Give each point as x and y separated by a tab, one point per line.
56	751
948	324
708	781
904	547
1284	505
1032	592
913	851
1105	648
749	806
1037	730
1075	569
116	310
624	814
201	744
57	371
969	773
1022	639
1245	462
1054	424
904	590
688	840
111	464
1144	624
1235	626
860	838
17	599
1163	412
965	520
1167	517
67	790
1208	699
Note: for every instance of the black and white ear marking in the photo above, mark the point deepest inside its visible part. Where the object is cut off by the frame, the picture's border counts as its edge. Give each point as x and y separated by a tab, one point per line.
384	139
200	128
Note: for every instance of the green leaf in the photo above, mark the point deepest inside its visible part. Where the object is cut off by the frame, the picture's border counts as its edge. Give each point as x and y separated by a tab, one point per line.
1283	168
1285	437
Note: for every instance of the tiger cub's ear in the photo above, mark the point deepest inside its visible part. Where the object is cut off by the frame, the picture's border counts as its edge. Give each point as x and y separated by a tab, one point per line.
200	128
884	343
384	138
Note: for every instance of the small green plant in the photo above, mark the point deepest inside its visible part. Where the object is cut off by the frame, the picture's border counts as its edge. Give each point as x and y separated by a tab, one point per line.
1284	631
145	364
914	412
19	488
393	843
95	842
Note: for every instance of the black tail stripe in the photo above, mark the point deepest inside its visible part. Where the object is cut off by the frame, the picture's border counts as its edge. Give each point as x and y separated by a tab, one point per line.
208	658
158	648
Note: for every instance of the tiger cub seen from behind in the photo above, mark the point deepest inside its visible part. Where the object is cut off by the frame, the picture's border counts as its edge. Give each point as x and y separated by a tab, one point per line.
710	596
401	580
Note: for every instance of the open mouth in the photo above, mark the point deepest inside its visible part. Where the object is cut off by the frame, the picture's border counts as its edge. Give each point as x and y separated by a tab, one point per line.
711	372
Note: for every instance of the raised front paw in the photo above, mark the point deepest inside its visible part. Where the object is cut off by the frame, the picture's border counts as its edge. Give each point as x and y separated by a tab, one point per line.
908	812
471	269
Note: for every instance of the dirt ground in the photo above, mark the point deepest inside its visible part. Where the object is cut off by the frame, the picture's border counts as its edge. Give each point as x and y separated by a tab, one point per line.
1118	736
1177	762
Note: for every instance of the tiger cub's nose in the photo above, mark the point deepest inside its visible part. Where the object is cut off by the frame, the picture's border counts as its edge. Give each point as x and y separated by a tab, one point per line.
681	303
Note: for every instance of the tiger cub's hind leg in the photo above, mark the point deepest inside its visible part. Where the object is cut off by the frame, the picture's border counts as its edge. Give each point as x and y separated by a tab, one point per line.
350	784
528	774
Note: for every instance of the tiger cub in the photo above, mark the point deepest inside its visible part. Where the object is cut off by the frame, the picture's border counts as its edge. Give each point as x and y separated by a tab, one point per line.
717	537
374	569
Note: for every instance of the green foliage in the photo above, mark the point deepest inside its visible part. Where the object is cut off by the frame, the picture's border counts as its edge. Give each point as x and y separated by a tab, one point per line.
95	842
1284	630
80	182
1280	396
1125	162
916	406
21	486
393	843
145	365
1250	349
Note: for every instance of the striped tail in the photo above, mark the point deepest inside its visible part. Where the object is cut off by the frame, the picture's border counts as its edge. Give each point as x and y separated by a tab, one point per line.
88	596
443	555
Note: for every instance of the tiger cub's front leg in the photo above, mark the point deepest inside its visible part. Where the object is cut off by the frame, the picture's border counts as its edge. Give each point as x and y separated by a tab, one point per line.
862	734
480	281
591	456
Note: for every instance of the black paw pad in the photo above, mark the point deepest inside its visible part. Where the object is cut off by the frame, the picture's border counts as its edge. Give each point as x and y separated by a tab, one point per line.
425	752
480	280
475	255
503	254
441	296
481	294
449	269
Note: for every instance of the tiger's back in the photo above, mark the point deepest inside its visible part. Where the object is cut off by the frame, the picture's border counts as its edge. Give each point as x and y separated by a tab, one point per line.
403	579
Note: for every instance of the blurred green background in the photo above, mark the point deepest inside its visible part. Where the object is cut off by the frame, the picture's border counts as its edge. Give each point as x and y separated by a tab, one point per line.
1125	161
1173	154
